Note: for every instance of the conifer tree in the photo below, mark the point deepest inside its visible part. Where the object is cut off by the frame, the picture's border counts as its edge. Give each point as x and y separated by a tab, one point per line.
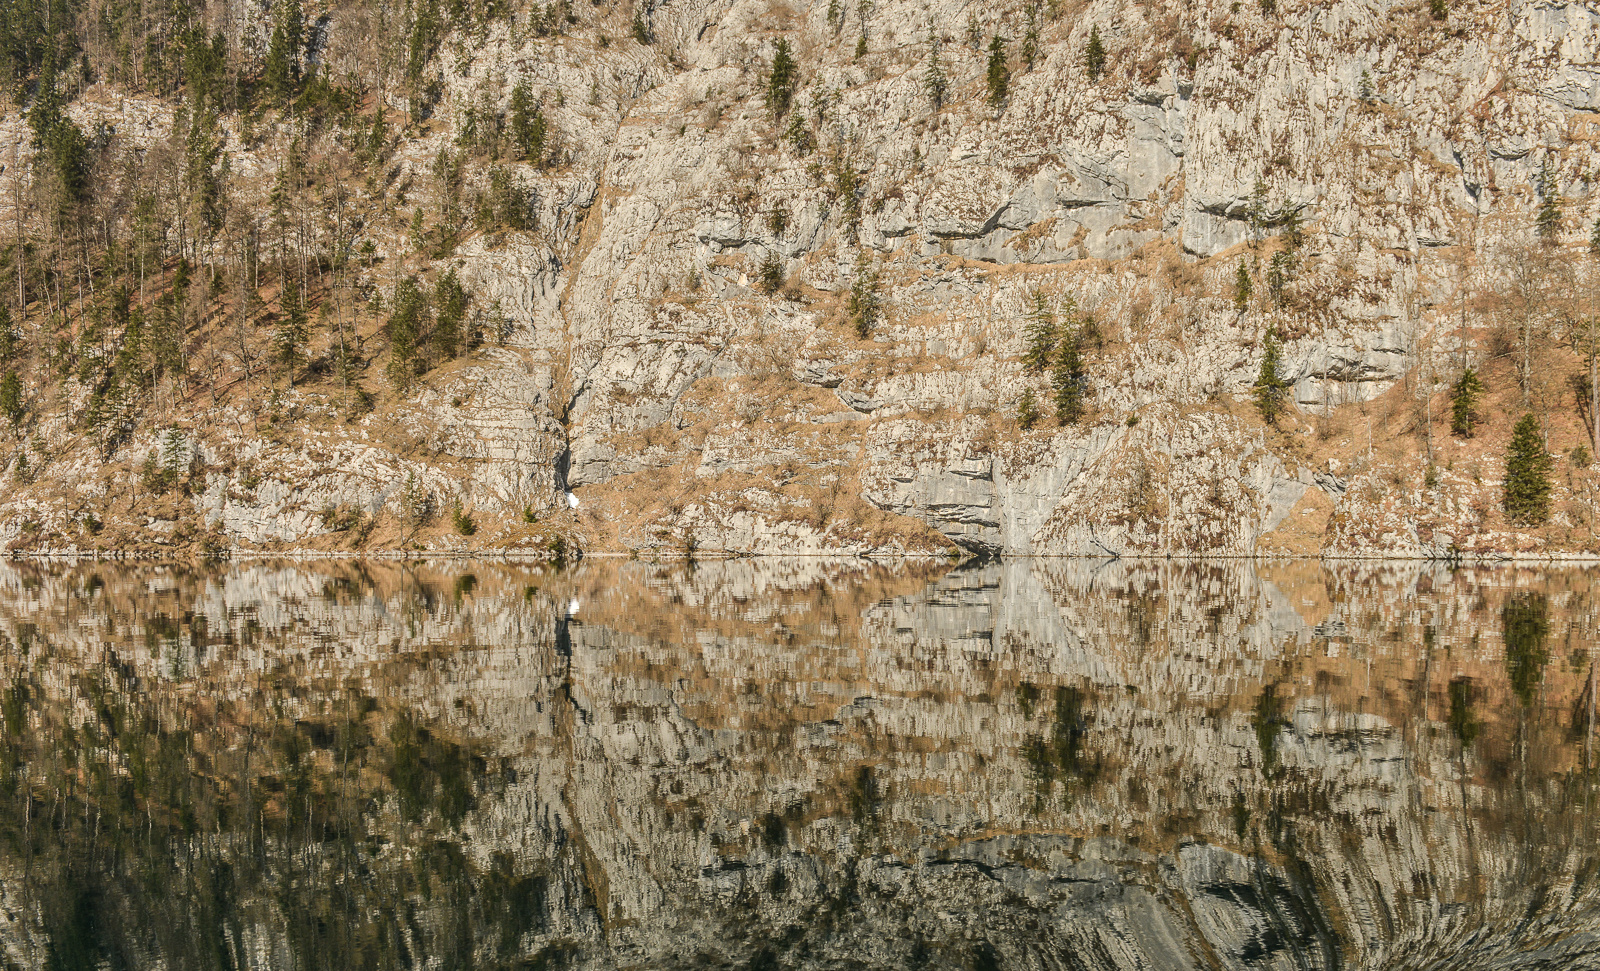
935	83
528	128
781	82
1040	336
998	77
1548	219
1069	379
1242	288
10	337
1527	482
281	70
289	340
1270	385
864	306
11	398
1464	403
1027	411
1030	39
1094	55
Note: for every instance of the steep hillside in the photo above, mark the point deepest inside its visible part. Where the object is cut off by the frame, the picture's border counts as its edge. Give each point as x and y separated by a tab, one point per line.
765	277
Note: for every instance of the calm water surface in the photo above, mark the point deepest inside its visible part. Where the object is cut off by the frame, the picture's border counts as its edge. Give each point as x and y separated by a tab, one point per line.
798	764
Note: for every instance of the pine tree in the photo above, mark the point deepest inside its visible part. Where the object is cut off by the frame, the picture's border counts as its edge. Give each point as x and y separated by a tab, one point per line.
1094	56
641	29
281	70
1027	411
1549	218
1527	482
449	318
1439	9
10	337
1040	336
864	306
935	83
1270	386
1364	87
1242	288
1594	239
1464	403
528	128
406	327
11	398
861	46
999	75
1069	379
781	82
290	337
1030	39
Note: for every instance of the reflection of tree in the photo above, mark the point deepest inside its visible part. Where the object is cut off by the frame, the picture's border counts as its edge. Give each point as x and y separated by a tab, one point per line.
1058	756
1525	623
1267	719
179	829
1463	722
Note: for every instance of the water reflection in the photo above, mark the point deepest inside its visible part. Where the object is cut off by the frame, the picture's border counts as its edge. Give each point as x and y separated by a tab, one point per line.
797	764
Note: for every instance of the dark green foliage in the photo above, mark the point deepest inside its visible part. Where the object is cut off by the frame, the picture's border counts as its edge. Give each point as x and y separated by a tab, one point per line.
37	44
1027	411
1029	50
1242	288
641	27
11	398
861	46
770	276
1525	623
1270	388
509	202
998	75
290	337
1463	723
281	71
783	79
1269	8
1094	55
1527	482
463	521
1594	239
1548	219
1268	721
450	318
65	153
1068	378
1439	9
10	336
935	82
1279	272
1040	336
865	305
528	129
1364	87
1464	403
1062	756
407	328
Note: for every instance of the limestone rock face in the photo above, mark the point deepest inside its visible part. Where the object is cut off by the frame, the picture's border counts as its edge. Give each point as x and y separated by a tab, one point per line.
679	337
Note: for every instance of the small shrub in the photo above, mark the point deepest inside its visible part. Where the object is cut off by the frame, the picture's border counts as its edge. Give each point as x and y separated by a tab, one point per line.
463	522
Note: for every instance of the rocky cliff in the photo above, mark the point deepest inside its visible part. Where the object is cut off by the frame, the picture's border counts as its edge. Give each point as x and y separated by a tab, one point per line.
727	327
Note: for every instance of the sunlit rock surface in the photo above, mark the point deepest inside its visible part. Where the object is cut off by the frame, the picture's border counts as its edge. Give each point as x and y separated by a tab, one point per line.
813	764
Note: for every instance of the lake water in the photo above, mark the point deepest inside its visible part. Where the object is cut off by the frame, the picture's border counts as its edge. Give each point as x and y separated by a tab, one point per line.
798	764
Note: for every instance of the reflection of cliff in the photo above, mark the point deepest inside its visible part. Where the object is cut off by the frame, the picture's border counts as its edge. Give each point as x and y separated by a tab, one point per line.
810	764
